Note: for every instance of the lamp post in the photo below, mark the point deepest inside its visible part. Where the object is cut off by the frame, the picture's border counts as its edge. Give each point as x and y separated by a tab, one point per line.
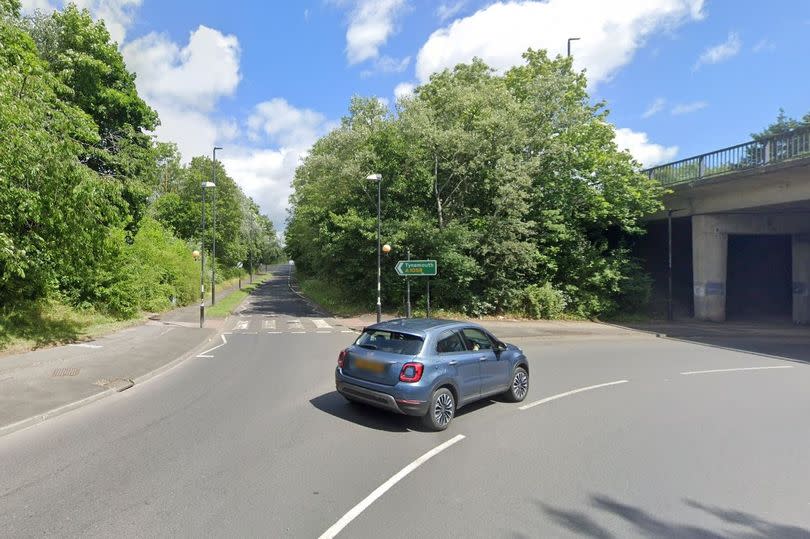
570	39
205	185
378	178
214	242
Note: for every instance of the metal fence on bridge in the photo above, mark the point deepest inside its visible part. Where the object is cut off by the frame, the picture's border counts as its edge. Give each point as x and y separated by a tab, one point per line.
757	153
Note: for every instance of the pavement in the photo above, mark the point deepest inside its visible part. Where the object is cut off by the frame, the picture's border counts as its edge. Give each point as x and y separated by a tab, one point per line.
42	383
618	437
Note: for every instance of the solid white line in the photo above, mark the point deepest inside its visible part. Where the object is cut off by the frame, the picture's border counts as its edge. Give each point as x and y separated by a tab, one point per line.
224	342
382	489
687	373
572	392
84	345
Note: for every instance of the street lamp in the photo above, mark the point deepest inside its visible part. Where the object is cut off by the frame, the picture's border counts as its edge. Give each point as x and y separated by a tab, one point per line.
570	39
214	242
378	178
205	185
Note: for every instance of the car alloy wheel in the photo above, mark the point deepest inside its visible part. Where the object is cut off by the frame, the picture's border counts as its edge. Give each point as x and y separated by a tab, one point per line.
520	384
443	409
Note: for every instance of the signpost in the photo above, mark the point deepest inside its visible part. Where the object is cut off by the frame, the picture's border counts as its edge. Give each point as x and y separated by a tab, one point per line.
417	268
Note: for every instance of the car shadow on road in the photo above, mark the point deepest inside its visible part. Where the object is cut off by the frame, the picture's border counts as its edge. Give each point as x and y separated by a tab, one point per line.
374	418
647	525
366	416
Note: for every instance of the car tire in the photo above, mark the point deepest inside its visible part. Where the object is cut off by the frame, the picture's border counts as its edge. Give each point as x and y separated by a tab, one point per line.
518	386
441	411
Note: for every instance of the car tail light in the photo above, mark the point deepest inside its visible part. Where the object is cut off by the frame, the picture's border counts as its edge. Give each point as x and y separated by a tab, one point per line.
342	358
411	372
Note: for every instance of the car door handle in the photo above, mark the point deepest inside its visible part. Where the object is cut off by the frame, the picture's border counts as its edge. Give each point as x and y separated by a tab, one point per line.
454	362
482	358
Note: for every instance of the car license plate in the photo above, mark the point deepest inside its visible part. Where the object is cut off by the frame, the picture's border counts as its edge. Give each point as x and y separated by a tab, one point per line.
371	366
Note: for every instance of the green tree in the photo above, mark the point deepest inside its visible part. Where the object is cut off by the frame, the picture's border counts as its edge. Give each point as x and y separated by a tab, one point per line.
512	182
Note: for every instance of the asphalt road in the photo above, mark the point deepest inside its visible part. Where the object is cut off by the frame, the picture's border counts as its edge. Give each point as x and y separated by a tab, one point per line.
251	440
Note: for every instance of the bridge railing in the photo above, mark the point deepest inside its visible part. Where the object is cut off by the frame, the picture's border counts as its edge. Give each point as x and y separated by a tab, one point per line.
754	154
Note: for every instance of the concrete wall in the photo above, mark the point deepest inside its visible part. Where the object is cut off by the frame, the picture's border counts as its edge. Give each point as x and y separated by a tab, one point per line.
801	279
710	258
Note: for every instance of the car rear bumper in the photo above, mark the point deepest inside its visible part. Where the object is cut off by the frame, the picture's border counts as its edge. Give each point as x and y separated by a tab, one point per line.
381	400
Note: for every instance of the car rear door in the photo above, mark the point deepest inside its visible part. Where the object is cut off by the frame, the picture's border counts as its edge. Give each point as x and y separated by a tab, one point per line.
462	365
494	370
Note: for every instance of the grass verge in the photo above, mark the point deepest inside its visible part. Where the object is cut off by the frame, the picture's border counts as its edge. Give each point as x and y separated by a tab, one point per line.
226	305
331	298
45	323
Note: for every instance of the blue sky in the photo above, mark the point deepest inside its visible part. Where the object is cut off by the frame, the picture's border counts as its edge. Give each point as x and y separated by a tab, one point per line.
265	78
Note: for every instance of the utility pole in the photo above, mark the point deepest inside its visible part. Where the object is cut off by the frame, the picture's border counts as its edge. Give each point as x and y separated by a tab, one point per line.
378	178
570	39
408	290
214	242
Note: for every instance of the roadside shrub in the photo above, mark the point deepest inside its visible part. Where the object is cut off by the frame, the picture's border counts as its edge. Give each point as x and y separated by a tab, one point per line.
541	301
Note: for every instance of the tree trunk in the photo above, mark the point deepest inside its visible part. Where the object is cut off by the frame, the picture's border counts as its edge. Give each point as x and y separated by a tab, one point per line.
436	190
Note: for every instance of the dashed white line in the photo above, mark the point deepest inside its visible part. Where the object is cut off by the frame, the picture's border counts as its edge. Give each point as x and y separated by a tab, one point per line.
85	345
687	373
205	354
382	489
323	332
274	333
572	392
346	331
298	332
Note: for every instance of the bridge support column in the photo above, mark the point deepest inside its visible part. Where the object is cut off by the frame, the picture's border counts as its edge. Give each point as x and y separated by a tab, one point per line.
801	279
709	261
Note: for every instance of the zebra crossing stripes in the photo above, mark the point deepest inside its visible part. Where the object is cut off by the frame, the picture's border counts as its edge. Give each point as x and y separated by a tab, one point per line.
274	326
321	324
268	324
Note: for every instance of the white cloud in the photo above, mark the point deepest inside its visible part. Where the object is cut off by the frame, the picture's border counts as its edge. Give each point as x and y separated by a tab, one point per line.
29	6
371	23
655	107
118	15
763	45
196	75
265	175
184	85
286	125
611	32
448	10
686	108
404	89
723	51
644	151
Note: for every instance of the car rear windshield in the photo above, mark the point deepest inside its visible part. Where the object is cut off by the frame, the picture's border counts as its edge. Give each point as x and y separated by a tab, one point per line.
390	341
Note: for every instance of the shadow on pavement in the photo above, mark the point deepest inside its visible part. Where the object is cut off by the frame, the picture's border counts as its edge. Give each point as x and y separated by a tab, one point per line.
647	525
786	341
366	416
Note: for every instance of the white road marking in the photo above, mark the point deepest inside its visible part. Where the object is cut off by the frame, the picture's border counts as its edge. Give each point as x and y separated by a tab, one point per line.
268	324
166	331
687	373
205	354
298	332
323	332
346	331
321	324
85	345
242	324
382	489
572	392
294	324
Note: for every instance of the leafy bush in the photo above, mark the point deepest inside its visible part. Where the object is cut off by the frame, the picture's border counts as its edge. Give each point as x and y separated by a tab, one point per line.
543	302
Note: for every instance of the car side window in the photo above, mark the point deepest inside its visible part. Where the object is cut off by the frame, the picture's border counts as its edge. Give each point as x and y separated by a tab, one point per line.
475	339
449	341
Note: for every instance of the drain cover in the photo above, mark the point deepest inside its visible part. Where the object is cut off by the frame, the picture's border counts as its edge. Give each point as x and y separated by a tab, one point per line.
66	371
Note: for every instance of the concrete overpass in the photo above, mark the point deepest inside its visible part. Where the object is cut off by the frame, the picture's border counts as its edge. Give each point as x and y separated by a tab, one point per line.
737	230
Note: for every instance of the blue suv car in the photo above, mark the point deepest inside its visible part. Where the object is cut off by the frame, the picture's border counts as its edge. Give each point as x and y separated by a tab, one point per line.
430	368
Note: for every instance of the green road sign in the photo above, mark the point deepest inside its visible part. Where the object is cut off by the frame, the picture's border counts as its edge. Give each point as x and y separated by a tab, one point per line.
417	268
